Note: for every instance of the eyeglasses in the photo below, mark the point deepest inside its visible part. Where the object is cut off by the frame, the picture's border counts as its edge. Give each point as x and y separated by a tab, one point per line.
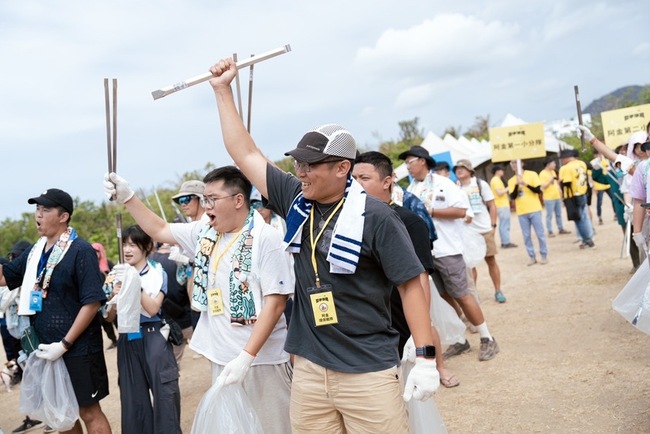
184	200
409	162
306	167
210	201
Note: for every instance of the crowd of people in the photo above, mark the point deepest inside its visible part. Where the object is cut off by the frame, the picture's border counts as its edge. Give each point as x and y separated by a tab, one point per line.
309	290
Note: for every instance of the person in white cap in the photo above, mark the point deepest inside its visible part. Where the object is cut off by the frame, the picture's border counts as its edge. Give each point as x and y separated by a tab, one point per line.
189	198
481	199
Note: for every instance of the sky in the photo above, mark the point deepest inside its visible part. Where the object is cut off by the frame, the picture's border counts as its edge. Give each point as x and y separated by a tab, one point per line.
366	65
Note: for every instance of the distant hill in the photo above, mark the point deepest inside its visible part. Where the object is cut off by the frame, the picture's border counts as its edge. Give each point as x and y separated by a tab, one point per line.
625	96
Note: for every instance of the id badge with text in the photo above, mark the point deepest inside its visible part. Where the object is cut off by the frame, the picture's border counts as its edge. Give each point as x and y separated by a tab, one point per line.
322	304
36	301
215	302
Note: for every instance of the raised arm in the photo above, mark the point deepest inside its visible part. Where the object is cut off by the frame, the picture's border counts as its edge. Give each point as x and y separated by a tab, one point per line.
597	144
149	221
239	144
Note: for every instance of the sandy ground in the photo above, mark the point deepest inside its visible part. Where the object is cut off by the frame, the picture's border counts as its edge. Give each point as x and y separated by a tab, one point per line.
568	362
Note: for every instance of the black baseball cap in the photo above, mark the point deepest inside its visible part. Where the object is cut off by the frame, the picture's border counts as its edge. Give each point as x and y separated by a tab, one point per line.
420	152
53	197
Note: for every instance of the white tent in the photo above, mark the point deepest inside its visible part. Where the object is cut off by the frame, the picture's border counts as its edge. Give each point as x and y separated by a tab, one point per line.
478	152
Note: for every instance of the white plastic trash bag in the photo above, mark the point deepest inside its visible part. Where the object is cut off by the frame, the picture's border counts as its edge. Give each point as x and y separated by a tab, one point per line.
633	302
424	417
445	319
128	302
47	394
473	247
226	410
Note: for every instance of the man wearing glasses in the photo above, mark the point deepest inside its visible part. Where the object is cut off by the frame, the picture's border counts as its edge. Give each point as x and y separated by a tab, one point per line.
242	278
349	251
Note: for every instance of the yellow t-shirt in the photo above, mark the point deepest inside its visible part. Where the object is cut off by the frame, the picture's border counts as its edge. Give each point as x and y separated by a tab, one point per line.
527	201
552	191
575	172
502	201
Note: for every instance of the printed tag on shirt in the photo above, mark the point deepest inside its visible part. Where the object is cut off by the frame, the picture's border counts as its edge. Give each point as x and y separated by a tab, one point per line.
36	301
215	302
322	303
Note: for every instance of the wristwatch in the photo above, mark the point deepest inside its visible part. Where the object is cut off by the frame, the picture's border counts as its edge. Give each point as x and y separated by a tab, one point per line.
494	225
427	351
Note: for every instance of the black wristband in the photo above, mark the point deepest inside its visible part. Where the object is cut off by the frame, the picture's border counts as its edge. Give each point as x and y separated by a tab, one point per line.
67	345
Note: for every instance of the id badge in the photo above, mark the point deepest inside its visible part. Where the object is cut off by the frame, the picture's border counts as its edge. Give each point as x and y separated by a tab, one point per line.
36	301
215	302
134	336
322	304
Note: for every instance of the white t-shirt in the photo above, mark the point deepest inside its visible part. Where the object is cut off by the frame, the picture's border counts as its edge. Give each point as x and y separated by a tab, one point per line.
214	336
438	192
479	192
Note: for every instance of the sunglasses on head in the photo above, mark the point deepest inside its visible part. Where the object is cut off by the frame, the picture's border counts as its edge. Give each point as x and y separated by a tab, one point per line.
184	200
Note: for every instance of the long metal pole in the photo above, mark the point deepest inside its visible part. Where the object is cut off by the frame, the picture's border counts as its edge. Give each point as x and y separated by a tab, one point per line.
159	93
579	109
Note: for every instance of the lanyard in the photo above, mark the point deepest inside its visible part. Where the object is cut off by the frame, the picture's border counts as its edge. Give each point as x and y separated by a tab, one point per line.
216	249
313	241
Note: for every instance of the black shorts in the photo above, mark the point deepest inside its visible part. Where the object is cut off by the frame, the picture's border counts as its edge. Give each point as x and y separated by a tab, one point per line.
89	377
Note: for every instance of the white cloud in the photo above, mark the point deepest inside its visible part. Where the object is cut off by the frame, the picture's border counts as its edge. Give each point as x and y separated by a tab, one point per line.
447	45
414	97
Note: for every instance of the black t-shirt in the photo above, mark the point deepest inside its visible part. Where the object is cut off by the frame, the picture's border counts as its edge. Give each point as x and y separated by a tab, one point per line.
363	340
76	280
419	233
176	304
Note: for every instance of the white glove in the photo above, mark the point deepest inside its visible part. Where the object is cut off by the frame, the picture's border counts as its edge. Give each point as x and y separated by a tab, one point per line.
640	242
50	352
176	255
116	188
119	271
423	380
408	354
235	370
588	134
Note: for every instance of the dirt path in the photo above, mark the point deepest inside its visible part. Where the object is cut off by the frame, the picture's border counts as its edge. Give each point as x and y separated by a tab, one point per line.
568	362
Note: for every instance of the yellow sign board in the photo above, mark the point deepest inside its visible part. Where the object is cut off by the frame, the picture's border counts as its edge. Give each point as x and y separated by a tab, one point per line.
517	142
620	124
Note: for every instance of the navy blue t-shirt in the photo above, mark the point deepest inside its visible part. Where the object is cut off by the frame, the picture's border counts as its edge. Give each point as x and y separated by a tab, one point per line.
76	280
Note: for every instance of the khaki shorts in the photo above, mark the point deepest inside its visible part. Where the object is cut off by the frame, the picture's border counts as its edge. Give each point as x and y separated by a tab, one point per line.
490	244
330	402
450	276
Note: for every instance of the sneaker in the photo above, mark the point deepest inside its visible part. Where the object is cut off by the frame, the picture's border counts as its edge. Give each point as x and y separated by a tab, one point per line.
509	245
48	429
564	232
587	245
499	297
600	221
533	261
543	261
456	349
489	349
28	425
551	235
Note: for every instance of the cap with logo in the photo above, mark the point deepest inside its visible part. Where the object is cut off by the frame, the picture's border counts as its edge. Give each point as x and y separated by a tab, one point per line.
54	197
325	142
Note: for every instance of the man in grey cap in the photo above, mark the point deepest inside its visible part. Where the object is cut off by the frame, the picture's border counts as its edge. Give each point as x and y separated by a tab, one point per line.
62	292
349	251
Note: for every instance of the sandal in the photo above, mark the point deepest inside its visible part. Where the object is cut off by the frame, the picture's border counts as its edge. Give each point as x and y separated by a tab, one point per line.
450	381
